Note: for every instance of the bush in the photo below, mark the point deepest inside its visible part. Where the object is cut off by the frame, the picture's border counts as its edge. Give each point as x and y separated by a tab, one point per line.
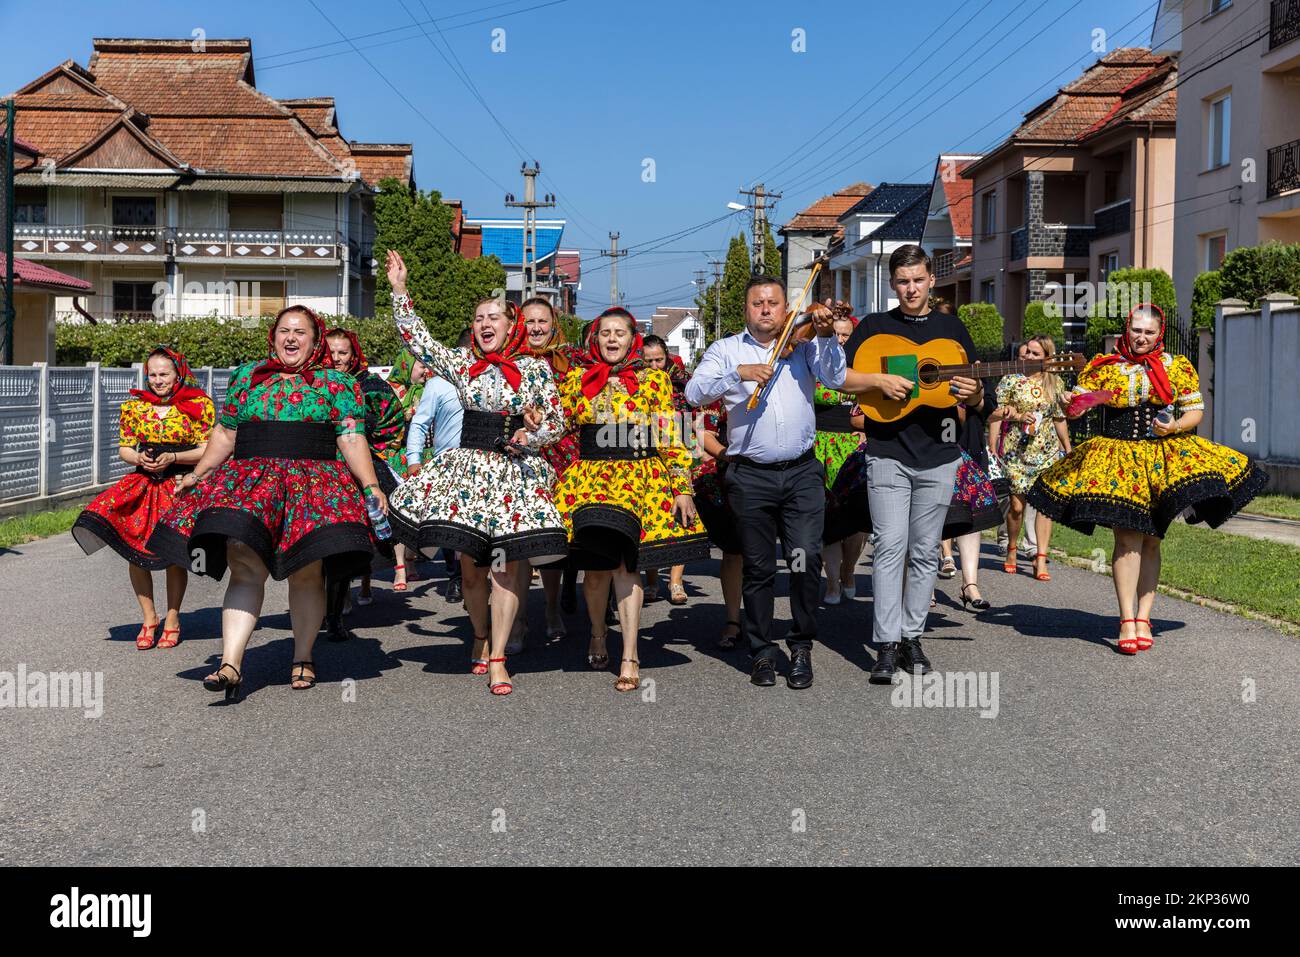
984	324
1207	289
1039	321
205	341
1253	271
1125	288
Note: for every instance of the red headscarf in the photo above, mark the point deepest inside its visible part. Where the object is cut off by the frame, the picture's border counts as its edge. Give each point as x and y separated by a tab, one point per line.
503	358
185	394
1155	369
358	365
318	360
598	373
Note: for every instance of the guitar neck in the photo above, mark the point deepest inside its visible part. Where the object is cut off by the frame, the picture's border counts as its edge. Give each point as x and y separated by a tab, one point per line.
984	370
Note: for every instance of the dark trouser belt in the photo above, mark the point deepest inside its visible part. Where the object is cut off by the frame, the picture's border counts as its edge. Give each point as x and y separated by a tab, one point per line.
807	456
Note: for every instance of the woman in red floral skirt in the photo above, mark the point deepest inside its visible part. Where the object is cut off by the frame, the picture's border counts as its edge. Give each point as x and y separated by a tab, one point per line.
274	493
163	432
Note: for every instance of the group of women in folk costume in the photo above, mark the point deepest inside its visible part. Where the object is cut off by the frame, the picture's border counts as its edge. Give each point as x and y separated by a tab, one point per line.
574	455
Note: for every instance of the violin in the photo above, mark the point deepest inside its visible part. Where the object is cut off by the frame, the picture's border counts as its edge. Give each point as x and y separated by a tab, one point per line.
798	328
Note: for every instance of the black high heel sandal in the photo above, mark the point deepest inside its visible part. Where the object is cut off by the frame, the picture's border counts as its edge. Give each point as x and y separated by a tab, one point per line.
300	674
223	683
979	604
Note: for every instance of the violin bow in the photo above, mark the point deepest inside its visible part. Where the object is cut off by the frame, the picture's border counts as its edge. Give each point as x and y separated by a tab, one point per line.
787	330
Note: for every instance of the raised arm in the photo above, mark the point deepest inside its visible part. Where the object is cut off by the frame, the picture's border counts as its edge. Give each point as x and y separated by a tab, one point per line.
440	360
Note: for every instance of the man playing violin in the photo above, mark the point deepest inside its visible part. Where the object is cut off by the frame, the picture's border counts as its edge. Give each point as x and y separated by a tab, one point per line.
774	482
911	467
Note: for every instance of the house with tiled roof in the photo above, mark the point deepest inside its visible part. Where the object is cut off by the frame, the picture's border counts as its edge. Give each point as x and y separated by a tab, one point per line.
174	186
1081	188
1238	112
35	289
891	215
811	233
681	329
948	234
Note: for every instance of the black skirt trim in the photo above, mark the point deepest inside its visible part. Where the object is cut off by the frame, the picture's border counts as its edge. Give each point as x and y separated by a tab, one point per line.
1209	497
605	535
429	537
673	551
92	533
344	548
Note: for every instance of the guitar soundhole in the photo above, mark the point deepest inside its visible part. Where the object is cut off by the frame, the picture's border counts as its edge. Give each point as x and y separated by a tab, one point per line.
926	373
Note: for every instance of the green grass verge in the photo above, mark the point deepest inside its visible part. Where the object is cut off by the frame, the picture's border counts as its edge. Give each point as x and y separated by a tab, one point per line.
1258	576
1278	506
28	528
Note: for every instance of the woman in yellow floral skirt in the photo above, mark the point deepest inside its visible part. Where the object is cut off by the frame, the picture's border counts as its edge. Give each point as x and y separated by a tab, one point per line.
1146	469
627	502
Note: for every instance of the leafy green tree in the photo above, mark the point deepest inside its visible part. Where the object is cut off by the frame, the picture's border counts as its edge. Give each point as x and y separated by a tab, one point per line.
1125	289
1207	289
443	286
772	256
735	276
1041	321
984	323
1254	271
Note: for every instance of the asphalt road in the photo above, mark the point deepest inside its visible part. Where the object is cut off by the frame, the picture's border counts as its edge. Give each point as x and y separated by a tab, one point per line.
1093	757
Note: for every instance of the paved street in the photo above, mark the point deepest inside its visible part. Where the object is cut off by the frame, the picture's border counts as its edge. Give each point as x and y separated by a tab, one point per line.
422	765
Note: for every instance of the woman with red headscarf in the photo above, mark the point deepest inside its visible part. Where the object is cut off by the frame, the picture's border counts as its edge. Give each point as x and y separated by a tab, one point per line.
274	494
385	427
627	502
490	498
1147	468
163	432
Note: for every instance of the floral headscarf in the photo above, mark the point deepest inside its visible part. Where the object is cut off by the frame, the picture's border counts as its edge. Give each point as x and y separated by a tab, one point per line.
503	358
316	362
358	365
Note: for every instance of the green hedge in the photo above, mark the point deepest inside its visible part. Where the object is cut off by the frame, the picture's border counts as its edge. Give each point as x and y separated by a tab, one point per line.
1107	316
1254	271
1207	289
205	341
984	323
1040	321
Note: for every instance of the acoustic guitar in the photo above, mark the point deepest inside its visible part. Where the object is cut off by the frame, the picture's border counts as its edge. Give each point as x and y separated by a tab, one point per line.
930	366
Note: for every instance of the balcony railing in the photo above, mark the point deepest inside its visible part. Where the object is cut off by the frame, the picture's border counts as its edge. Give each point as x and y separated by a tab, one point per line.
1283	22
1283	168
158	242
1113	218
943	265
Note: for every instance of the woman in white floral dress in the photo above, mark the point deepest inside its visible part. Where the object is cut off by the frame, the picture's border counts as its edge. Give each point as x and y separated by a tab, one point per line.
490	499
1027	434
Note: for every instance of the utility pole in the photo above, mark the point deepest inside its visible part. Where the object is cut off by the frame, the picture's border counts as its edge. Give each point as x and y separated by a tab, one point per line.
758	232
614	253
717	265
530	205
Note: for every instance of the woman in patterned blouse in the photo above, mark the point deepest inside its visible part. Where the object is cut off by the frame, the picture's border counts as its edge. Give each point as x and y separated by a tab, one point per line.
163	432
274	494
1146	469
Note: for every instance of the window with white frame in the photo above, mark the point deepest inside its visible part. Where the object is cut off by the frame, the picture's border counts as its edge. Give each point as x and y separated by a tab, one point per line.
1108	264
1218	131
1216	247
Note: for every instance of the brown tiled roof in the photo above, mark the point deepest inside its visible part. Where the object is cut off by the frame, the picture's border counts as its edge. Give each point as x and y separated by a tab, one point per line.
823	215
1119	83
668	318
957	194
199	107
35	275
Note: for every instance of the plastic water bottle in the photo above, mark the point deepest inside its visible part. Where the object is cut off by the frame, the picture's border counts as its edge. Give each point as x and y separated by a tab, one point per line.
377	517
1165	415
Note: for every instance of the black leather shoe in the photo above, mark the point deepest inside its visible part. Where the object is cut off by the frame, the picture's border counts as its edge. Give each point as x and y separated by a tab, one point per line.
886	664
801	673
911	658
454	594
763	673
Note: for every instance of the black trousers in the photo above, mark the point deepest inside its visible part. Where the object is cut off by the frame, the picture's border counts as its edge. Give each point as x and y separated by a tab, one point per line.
790	503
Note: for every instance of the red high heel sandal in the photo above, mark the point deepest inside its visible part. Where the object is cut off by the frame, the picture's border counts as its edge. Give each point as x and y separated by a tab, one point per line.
1144	643
399	586
145	640
1129	646
1042	576
165	642
496	686
478	666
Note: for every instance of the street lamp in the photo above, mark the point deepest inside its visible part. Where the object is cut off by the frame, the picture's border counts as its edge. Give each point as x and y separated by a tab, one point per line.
737	206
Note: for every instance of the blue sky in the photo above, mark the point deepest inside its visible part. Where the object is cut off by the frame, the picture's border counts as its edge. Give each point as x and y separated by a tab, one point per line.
712	92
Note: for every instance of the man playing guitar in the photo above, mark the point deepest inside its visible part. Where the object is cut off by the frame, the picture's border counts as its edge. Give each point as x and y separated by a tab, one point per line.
912	462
